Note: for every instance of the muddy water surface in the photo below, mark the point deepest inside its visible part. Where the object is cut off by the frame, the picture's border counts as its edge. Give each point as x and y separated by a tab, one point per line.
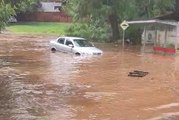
36	84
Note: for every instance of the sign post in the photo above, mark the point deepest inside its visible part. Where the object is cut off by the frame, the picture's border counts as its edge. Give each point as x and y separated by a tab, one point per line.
124	25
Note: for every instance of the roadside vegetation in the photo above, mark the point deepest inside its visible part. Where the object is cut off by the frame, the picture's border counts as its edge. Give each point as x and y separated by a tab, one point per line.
5	13
108	14
50	28
94	19
55	28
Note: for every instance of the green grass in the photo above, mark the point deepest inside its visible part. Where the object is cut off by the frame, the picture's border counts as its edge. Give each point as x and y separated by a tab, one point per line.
39	28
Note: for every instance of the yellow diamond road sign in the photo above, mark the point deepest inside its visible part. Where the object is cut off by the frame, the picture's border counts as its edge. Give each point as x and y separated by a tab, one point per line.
124	25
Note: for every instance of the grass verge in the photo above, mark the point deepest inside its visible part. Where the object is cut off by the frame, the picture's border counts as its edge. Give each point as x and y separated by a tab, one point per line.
50	28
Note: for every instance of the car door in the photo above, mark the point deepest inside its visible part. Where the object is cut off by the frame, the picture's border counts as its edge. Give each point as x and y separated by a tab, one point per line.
60	46
68	45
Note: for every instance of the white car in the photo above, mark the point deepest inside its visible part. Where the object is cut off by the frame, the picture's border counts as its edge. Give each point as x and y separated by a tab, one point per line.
76	45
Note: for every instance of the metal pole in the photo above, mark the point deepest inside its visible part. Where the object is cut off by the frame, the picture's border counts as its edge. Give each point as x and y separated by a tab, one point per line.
144	40
123	38
156	38
176	39
165	40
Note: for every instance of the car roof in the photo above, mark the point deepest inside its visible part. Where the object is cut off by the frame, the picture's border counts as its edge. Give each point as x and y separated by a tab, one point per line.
70	37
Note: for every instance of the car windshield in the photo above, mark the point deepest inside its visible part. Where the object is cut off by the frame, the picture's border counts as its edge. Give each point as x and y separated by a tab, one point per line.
82	43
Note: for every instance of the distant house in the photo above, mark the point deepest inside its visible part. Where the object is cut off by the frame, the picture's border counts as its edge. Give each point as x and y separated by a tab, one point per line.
47	12
50	6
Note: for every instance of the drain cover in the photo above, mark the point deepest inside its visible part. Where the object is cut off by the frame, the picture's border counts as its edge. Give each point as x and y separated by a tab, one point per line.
137	73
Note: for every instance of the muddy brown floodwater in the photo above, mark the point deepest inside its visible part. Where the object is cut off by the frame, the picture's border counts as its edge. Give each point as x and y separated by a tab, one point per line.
36	84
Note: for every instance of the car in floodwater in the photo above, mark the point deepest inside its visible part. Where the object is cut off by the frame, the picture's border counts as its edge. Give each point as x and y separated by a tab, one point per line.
75	45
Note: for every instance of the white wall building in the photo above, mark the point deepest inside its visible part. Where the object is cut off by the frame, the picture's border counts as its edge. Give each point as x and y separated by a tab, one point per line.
162	34
50	6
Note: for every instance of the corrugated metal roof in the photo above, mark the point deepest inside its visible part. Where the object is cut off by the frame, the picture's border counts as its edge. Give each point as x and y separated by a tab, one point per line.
173	23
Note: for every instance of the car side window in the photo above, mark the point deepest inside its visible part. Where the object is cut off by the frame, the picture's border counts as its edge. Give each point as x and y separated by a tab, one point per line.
61	40
68	42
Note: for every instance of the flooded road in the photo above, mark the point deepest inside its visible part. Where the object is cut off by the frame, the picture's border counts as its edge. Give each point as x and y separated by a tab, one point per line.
36	84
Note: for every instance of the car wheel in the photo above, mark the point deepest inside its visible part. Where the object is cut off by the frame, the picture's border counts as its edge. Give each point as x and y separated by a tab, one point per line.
78	54
53	49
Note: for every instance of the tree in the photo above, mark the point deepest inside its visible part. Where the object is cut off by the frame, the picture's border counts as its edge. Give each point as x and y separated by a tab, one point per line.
119	11
177	6
6	11
110	12
113	12
152	8
23	5
10	8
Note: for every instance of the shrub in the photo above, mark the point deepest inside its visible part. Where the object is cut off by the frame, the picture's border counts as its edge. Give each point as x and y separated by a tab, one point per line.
90	31
6	11
134	34
170	45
